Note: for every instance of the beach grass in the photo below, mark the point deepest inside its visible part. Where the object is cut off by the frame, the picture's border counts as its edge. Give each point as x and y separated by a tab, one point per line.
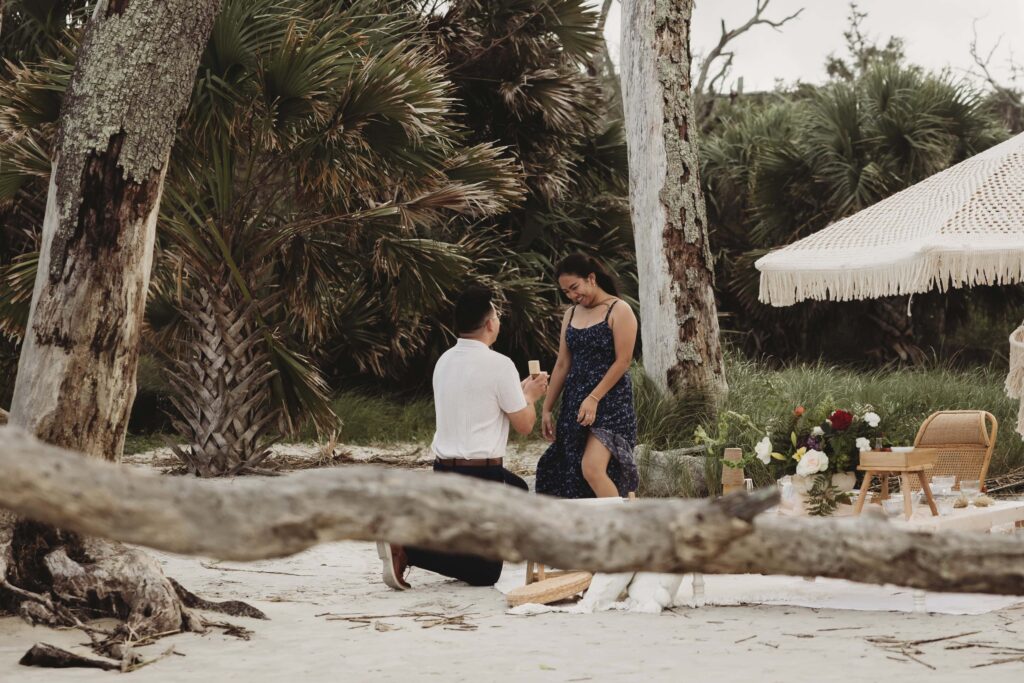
903	397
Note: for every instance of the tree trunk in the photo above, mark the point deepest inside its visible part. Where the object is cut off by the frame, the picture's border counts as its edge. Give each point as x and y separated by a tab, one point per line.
679	320
220	390
76	376
250	519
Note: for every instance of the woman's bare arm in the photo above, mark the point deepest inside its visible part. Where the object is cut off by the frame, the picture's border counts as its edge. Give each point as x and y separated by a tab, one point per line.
561	369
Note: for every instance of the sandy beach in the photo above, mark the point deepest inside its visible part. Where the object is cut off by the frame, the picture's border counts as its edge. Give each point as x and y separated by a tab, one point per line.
331	618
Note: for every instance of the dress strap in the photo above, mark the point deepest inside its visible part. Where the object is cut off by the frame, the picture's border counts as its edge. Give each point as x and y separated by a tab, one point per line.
610	310
572	312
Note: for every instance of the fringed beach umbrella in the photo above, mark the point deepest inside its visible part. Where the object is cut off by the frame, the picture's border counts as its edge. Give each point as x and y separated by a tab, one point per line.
963	226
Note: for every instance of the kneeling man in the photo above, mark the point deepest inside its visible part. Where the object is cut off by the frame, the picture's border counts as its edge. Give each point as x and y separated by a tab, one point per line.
477	395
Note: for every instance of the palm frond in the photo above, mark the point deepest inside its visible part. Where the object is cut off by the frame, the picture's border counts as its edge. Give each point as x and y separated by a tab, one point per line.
17	280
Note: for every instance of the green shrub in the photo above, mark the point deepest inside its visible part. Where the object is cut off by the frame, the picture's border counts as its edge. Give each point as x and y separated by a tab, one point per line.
902	397
377	418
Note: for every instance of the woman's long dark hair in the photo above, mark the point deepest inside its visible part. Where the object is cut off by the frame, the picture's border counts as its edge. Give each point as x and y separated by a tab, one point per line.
581	265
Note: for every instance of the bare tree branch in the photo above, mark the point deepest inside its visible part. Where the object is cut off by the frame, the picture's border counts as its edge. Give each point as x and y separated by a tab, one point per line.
249	519
719	77
983	64
729	35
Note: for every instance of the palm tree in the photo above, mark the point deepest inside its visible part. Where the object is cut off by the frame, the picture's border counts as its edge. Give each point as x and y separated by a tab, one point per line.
310	205
779	171
520	73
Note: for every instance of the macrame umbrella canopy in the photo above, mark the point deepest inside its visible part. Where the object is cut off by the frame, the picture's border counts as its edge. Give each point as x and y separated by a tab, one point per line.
961	227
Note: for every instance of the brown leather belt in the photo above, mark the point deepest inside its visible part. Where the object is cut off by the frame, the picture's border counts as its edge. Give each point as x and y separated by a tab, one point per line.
448	463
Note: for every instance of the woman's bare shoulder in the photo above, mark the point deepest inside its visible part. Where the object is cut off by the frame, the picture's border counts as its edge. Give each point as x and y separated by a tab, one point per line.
622	311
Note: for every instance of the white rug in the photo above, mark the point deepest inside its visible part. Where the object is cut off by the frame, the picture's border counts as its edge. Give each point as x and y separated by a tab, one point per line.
755	589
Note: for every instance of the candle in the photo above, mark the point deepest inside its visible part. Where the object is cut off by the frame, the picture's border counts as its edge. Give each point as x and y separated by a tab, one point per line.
534	367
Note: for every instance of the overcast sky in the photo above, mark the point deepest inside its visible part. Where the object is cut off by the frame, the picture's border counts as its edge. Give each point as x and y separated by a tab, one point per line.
937	34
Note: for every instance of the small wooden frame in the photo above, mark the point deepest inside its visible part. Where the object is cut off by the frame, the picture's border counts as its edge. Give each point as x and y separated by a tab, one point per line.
544	586
557	586
907	465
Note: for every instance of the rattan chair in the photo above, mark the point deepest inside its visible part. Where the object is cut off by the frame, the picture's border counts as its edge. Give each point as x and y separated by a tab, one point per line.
965	440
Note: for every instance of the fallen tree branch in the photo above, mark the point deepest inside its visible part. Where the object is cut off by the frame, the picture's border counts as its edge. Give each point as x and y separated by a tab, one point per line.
52	657
249	519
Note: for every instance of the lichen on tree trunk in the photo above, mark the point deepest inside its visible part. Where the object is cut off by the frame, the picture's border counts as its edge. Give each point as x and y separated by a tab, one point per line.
679	318
133	76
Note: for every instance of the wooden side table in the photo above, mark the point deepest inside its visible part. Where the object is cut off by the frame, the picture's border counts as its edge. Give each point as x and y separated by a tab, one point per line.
905	472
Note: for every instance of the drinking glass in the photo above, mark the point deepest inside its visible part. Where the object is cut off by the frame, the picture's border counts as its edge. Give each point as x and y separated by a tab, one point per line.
893	507
970	488
942	485
944	504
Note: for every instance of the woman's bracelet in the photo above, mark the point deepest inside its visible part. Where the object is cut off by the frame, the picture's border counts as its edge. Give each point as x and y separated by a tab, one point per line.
594	397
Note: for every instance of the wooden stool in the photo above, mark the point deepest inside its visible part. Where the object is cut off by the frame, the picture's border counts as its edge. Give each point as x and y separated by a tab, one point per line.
905	474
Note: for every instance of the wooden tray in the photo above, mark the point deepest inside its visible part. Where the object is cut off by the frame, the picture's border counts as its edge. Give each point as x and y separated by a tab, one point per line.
882	460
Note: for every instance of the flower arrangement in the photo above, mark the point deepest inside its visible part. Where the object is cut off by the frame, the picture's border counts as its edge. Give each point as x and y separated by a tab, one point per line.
817	445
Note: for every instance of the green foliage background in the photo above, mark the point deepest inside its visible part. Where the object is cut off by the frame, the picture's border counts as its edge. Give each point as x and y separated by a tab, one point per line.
350	164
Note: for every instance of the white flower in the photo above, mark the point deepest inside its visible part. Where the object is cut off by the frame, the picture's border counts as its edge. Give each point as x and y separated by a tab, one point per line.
872	419
763	449
817	431
863	444
812	463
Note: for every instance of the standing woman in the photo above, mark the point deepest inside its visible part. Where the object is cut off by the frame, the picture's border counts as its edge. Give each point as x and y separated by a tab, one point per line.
591	454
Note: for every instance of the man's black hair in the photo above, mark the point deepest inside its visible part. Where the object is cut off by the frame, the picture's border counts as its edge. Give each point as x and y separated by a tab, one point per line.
473	308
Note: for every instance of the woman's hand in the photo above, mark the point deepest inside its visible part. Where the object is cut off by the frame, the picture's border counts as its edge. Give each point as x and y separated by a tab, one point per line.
547	426
588	411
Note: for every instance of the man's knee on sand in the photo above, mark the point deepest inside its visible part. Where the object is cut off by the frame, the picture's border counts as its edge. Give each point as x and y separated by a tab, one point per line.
485	577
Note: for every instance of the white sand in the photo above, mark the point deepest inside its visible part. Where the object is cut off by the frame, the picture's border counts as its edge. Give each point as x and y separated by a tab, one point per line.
730	643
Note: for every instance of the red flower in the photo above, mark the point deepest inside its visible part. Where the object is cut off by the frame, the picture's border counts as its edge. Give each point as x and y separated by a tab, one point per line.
841	420
798	411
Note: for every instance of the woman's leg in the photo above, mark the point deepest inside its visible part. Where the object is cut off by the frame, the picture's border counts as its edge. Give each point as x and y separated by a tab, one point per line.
595	468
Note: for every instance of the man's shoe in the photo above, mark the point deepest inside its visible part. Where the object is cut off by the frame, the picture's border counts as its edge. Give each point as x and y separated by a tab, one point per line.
394	563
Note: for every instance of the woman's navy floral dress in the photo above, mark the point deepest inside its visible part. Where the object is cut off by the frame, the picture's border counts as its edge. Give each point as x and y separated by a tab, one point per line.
559	471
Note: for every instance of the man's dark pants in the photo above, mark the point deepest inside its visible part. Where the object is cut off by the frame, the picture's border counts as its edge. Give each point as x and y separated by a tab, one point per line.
474	570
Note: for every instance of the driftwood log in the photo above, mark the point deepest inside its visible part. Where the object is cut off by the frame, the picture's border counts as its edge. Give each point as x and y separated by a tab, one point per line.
249	519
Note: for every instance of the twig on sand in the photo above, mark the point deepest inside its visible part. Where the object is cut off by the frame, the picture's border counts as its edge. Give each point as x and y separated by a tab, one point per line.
840	628
1008	660
919	661
743	640
230	629
908	648
217	567
937	640
454	622
127	668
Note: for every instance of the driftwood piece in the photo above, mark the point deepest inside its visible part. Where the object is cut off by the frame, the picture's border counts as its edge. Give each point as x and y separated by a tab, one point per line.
235	608
680	472
255	519
52	657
